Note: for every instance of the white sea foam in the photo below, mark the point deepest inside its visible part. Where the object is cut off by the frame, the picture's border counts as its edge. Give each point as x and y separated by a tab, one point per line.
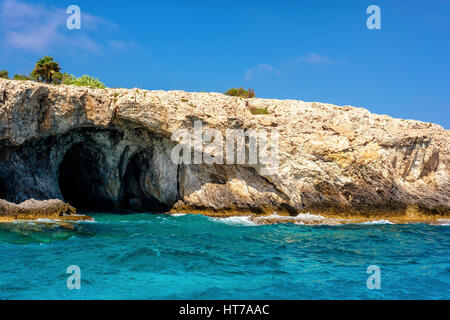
377	222
250	221
238	220
41	220
444	222
178	214
301	216
33	221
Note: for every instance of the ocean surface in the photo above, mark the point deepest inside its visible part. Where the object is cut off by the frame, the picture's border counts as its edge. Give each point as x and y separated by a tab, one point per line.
145	256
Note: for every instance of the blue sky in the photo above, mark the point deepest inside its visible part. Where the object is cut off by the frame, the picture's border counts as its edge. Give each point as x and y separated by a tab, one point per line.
309	50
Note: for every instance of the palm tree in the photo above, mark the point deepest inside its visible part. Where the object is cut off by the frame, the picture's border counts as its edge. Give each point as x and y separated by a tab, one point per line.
46	70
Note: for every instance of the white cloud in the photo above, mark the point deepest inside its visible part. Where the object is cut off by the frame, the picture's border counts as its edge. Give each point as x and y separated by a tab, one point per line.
122	45
260	69
314	58
309	59
37	28
263	69
27	26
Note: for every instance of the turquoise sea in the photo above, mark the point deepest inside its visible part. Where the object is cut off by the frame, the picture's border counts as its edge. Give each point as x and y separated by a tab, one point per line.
145	256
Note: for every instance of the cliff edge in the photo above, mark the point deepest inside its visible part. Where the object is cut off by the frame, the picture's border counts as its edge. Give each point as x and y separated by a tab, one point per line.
102	149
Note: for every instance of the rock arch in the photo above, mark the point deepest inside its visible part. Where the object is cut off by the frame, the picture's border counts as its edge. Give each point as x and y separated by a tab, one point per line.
140	188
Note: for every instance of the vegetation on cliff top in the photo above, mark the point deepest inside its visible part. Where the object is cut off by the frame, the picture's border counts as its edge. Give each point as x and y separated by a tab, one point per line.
84	80
47	70
21	77
240	92
254	110
4	74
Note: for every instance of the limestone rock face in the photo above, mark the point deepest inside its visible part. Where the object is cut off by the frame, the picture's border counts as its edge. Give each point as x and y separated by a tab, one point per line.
102	149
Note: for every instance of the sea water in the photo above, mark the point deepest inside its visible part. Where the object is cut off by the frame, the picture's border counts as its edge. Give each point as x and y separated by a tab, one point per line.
145	256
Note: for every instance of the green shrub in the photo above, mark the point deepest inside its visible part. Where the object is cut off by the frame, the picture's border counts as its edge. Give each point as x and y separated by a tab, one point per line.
4	74
84	80
254	110
240	92
21	77
59	77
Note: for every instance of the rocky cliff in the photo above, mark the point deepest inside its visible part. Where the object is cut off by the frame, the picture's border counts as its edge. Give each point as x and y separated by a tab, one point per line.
33	209
110	149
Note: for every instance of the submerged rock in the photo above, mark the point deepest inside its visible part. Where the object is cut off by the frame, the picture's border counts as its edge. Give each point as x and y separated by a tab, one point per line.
110	149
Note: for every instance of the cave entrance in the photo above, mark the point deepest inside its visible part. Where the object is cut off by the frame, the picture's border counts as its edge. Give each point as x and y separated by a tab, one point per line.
82	178
85	182
3	190
139	191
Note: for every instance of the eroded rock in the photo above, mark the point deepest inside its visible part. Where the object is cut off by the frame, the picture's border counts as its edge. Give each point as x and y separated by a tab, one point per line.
109	149
33	209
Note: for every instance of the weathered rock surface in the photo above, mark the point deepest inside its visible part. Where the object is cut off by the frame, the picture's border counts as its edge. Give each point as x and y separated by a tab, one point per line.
102	149
34	209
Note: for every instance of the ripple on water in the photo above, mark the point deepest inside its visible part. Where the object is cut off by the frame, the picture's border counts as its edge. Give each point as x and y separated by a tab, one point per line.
194	257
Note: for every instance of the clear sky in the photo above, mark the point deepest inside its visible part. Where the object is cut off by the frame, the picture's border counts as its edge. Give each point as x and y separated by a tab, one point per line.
311	50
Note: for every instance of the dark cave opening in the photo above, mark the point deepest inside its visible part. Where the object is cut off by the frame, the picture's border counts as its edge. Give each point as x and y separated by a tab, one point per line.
136	186
82	178
87	182
3	190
